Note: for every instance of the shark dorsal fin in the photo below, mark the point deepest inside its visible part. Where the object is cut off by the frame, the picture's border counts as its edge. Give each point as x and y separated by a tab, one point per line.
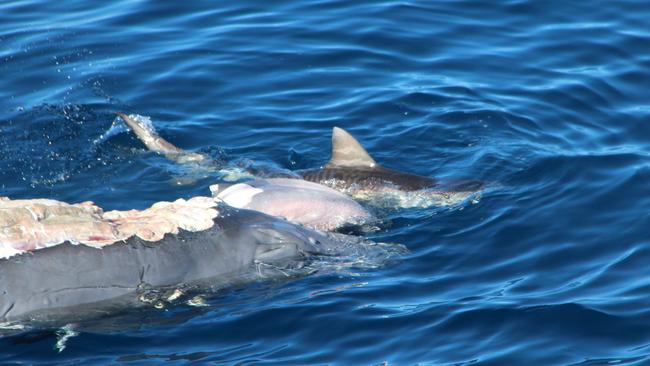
348	152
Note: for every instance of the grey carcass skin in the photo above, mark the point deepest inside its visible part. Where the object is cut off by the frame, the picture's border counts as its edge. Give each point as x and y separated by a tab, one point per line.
79	281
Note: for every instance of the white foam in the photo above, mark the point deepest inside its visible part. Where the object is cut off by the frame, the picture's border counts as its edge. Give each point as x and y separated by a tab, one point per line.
116	128
143	121
119	126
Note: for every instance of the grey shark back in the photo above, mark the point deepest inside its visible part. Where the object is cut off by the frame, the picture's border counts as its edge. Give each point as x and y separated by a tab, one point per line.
351	165
352	170
378	178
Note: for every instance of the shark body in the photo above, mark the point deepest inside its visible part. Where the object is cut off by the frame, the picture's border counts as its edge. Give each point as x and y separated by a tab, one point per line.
350	170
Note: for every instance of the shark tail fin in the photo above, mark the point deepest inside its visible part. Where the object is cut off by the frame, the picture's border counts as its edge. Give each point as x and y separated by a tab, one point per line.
154	142
348	152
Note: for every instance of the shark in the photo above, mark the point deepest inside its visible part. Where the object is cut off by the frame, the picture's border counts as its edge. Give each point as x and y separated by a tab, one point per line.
350	170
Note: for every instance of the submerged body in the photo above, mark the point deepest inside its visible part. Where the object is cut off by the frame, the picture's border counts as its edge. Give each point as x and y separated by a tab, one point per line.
351	170
304	202
66	282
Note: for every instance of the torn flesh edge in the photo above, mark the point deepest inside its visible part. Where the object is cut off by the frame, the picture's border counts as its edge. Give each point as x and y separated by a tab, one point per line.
30	225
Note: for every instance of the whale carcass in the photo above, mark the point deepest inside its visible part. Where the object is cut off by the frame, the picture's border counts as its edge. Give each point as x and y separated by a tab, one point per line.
73	261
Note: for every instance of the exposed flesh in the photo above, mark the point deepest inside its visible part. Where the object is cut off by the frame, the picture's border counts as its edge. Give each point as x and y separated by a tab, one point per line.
27	225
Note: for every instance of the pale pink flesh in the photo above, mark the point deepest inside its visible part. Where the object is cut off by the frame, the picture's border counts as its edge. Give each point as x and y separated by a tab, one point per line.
27	225
300	201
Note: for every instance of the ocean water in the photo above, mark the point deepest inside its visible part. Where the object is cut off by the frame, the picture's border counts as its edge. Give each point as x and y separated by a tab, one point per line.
547	101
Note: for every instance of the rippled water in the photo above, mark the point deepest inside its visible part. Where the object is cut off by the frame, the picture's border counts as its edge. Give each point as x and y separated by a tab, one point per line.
546	100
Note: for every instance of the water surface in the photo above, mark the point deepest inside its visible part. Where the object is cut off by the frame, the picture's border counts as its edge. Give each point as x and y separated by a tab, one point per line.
547	100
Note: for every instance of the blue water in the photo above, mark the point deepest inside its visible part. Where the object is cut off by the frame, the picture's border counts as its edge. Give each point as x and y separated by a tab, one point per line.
545	100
